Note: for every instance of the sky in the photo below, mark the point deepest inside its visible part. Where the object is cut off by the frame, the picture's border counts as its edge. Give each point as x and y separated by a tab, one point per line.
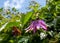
19	4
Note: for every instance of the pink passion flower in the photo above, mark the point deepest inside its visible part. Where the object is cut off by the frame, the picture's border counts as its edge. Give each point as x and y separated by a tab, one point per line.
36	25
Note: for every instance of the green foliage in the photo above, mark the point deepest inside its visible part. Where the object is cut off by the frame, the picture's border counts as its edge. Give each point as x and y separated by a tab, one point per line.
49	13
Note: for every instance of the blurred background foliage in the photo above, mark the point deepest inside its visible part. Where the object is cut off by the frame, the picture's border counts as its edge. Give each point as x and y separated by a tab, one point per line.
49	13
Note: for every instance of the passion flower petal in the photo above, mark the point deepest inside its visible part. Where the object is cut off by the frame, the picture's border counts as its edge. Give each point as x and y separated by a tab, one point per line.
43	24
36	25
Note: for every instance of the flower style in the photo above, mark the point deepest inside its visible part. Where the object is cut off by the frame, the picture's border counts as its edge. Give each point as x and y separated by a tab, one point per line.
36	25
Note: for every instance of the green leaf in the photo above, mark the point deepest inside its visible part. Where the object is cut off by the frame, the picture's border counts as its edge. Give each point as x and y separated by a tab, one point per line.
10	24
27	17
24	39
